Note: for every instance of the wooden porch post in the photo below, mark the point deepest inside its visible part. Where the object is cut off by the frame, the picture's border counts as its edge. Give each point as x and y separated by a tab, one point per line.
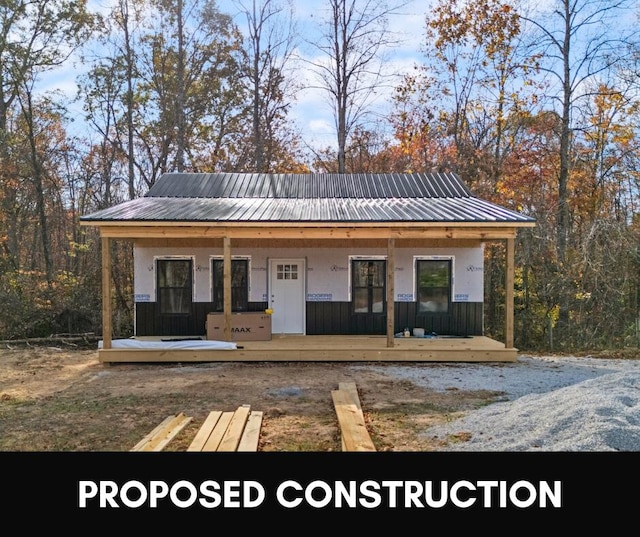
226	277
106	293
391	262
509	282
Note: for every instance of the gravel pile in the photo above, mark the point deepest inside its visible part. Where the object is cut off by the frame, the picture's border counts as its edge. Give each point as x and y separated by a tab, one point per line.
549	404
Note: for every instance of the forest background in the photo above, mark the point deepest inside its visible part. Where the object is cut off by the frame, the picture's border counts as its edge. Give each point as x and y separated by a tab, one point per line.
535	104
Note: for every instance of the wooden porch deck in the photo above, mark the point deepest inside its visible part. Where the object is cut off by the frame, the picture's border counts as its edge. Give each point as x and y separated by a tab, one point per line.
297	348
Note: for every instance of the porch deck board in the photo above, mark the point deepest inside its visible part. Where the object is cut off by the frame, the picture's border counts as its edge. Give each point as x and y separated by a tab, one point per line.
298	348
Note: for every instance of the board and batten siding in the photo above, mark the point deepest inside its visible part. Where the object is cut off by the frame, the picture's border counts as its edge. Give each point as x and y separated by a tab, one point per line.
322	318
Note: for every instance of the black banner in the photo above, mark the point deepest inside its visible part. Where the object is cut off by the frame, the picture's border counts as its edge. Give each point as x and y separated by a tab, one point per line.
319	489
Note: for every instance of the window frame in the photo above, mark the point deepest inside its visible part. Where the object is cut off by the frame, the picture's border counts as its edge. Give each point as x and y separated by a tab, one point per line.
158	288
416	277
215	290
352	287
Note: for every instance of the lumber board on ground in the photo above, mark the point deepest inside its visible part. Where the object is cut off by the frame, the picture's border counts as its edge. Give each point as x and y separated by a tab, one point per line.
163	433
251	434
355	436
352	390
231	438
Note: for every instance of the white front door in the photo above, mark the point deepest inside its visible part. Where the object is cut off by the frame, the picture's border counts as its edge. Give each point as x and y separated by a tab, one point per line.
287	295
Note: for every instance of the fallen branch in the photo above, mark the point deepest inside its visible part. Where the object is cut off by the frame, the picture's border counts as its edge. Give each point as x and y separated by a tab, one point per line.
57	338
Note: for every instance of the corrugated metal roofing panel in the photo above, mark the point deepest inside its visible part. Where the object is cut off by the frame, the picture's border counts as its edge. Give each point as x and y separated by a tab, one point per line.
310	210
309	186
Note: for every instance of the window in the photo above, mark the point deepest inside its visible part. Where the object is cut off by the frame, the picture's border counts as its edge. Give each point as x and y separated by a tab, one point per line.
239	284
434	285
175	285
287	272
368	286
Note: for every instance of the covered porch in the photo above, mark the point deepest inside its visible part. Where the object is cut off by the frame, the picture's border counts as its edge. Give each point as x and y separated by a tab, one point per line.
283	347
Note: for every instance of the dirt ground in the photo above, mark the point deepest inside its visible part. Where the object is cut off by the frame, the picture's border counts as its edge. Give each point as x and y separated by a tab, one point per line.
64	399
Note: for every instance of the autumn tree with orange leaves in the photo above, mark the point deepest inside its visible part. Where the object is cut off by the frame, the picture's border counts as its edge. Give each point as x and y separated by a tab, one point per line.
482	105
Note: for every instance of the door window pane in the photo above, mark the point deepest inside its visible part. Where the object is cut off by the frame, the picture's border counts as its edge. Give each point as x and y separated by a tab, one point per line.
377	300
361	300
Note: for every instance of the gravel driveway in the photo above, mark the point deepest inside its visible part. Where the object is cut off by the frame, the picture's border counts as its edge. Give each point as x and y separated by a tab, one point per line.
550	403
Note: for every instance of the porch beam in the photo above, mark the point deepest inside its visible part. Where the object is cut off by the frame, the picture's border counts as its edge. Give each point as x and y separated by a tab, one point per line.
226	277
293	243
509	302
308	233
391	264
106	293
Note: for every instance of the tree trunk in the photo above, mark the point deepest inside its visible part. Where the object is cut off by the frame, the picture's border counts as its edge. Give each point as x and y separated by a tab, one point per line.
37	179
180	105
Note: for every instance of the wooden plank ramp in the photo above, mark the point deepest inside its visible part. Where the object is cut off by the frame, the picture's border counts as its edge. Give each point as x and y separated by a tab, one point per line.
354	433
229	431
161	435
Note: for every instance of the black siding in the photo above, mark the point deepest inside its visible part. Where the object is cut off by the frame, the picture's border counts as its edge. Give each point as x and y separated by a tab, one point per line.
323	318
337	318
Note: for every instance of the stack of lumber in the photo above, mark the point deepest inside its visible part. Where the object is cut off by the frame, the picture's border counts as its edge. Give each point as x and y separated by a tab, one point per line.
355	436
221	431
229	431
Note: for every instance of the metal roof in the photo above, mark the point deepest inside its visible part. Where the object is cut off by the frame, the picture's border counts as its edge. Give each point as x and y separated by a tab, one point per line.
230	198
309	186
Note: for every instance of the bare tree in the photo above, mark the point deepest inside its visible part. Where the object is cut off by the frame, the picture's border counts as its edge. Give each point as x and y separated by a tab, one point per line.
189	92
271	39
107	91
351	66
124	20
37	175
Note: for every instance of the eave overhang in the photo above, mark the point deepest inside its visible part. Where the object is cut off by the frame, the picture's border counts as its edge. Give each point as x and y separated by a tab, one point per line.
309	230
